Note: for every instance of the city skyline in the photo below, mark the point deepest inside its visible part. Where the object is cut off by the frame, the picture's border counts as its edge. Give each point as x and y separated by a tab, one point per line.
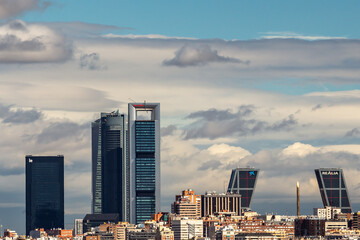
268	85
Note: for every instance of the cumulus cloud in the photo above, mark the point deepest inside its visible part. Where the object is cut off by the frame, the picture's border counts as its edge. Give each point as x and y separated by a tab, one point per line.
189	56
10	8
91	61
215	123
279	168
32	43
18	116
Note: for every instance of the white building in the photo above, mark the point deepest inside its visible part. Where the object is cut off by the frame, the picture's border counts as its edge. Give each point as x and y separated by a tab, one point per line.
327	212
78	229
187	228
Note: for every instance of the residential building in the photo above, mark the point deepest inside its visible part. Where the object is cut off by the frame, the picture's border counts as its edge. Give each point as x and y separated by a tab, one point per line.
333	190
226	233
91	221
187	228
37	233
142	234
44	192
60	233
193	198
185	208
216	203
110	165
144	152
164	233
327	212
305	227
78	226
331	225
119	229
10	234
356	221
243	181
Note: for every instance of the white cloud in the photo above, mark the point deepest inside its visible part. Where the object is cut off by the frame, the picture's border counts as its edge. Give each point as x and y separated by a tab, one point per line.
32	43
292	35
149	36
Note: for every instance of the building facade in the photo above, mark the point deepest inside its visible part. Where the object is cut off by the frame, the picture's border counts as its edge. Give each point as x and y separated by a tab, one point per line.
110	165
144	152
187	228
217	203
243	181
193	198
333	190
78	226
326	212
44	192
305	227
91	221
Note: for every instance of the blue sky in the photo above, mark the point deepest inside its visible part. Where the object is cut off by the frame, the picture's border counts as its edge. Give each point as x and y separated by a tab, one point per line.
245	19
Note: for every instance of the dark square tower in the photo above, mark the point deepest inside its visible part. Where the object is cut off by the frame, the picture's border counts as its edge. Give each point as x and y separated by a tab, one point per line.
44	192
243	182
333	188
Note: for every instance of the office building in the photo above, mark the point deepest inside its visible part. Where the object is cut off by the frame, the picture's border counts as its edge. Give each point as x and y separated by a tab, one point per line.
333	190
144	150
220	203
243	182
44	192
110	165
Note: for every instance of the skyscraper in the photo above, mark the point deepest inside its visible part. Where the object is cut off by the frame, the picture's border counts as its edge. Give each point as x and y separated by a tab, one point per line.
110	165
144	150
333	188
243	182
44	192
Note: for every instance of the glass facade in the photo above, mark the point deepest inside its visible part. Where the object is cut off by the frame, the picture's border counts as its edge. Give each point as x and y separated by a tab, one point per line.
145	169
144	154
110	165
333	189
243	181
44	192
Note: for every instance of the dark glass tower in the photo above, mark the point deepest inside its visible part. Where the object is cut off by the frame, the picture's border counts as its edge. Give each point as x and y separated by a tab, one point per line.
44	192
243	182
333	188
144	147
110	165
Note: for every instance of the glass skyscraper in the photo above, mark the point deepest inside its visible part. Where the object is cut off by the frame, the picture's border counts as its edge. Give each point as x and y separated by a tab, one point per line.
44	192
333	188
243	182
110	165
144	149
